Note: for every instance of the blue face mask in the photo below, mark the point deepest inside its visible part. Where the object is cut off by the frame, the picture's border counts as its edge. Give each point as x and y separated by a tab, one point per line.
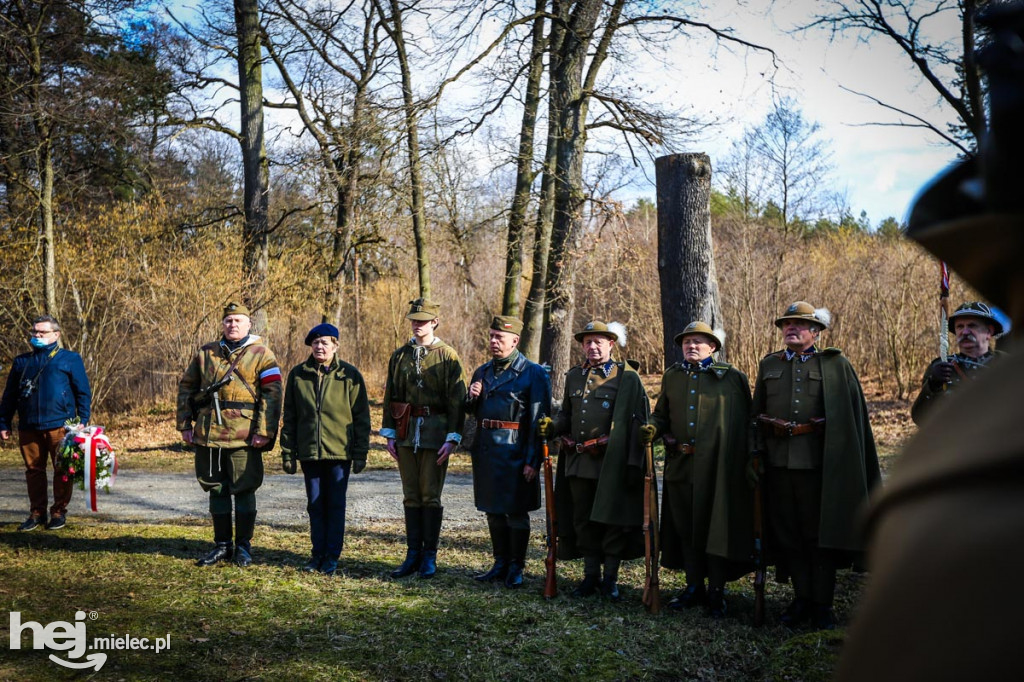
37	342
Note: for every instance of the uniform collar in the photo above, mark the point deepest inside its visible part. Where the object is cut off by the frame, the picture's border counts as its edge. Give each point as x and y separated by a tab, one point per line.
604	368
701	366
803	356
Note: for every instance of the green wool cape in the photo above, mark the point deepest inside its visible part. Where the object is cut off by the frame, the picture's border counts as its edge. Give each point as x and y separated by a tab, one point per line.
722	515
619	500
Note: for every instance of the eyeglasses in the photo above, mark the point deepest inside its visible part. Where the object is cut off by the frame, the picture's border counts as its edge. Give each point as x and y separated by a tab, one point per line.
41	332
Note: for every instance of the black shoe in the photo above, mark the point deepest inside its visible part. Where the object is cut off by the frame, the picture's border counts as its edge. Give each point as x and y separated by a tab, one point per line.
694	595
498	572
243	559
56	522
716	603
329	566
514	578
587	587
410	565
822	617
798	611
221	552
313	565
610	589
31	523
428	564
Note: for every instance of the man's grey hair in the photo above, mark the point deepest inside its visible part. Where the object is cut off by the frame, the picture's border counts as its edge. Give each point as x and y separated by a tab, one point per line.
47	318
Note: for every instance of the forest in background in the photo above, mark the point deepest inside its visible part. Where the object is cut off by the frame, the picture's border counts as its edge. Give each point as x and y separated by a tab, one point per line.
325	162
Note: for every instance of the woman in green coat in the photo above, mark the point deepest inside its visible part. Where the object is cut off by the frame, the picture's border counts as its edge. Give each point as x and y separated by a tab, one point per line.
327	429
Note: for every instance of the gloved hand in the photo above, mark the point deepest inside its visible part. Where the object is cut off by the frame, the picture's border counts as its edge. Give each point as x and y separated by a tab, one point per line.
358	465
545	427
753	475
647	433
940	373
288	463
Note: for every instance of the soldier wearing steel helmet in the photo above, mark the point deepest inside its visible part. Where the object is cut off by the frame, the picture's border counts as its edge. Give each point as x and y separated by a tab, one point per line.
811	420
707	519
599	488
975	328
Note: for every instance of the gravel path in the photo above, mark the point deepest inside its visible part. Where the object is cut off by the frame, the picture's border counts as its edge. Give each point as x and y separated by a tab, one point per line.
155	498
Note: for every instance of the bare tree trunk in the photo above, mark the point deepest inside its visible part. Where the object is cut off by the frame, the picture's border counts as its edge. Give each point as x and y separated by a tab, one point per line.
419	221
524	170
686	261
46	215
255	166
573	99
536	300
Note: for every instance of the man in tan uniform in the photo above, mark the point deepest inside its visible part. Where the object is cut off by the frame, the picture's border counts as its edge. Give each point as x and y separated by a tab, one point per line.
424	411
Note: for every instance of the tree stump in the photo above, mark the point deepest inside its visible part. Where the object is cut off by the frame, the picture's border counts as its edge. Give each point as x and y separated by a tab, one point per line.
686	261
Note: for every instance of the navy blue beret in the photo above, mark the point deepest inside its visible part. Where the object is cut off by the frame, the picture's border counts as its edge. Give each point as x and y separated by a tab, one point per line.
324	329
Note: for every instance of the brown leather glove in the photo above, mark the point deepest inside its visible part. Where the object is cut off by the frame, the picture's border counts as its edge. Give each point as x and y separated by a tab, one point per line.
288	463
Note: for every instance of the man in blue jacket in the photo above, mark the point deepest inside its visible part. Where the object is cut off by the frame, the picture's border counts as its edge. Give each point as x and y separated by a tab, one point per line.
48	388
508	395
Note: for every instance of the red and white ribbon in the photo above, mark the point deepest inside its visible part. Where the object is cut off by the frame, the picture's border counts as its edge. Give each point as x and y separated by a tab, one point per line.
93	440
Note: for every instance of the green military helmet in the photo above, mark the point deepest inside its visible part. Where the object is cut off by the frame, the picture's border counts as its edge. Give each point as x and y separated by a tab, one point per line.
599	328
235	308
423	310
507	323
802	310
979	310
698	327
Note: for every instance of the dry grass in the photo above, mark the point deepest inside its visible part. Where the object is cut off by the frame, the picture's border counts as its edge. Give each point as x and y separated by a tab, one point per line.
272	621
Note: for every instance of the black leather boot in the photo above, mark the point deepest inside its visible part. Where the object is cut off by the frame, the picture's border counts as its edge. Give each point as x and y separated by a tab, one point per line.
695	594
222	537
245	524
716	602
499	541
413	542
431	535
518	540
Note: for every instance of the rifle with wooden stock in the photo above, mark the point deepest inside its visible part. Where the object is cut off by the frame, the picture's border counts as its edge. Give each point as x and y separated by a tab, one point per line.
760	571
551	518
652	591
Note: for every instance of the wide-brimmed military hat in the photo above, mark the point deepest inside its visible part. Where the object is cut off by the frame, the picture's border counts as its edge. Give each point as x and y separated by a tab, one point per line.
698	327
596	327
507	323
802	310
423	310
979	310
235	308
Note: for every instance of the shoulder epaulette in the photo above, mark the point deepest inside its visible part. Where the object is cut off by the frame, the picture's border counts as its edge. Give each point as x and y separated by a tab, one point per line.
780	354
831	350
720	368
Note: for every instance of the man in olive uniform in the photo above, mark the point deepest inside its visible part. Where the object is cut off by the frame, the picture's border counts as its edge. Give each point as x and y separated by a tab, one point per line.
599	491
811	418
944	538
707	519
508	395
975	327
423	417
229	407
